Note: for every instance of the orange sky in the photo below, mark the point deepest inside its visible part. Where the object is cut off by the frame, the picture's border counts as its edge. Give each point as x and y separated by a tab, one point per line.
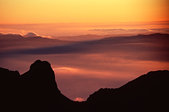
82	11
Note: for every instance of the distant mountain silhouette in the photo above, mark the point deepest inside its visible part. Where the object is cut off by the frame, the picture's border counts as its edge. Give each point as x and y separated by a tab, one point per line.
28	36
16	41
37	91
31	34
10	36
147	47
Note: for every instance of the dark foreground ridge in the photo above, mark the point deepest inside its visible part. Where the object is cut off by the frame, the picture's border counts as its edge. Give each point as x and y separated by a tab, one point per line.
37	91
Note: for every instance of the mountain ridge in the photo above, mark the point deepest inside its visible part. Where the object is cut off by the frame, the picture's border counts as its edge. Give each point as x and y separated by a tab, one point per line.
37	90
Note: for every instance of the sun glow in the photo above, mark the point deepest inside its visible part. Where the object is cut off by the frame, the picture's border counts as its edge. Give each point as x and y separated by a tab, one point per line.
82	11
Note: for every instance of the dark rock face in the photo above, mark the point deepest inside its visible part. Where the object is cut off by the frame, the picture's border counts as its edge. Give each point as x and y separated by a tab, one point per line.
9	81
34	91
40	87
37	91
147	93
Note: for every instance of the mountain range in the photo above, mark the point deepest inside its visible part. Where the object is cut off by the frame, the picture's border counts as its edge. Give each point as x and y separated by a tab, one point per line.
37	91
17	41
147	47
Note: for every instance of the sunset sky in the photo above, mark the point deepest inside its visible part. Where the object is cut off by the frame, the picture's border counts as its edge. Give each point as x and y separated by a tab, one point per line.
82	11
56	18
93	64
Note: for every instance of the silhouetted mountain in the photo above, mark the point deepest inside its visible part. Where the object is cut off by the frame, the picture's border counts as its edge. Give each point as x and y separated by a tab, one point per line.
10	36
37	91
30	34
78	38
34	91
156	37
147	47
9	83
147	93
41	89
16	41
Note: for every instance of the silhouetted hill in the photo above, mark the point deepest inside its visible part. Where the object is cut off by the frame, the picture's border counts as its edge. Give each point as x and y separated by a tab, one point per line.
34	91
147	93
9	82
10	36
37	91
150	38
16	41
41	89
140	47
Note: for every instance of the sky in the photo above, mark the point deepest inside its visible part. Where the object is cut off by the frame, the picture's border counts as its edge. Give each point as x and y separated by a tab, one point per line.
80	65
82	11
63	19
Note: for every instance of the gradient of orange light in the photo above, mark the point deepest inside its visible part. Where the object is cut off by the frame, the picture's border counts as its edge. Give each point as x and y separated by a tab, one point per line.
83	11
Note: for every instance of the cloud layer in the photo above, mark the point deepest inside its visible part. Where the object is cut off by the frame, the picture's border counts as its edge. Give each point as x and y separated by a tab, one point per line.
83	67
